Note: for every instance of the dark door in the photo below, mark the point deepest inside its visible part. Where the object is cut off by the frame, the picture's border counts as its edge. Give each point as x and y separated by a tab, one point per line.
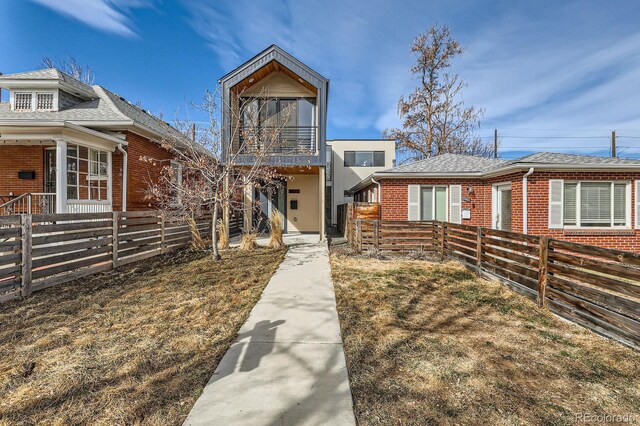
266	200
50	171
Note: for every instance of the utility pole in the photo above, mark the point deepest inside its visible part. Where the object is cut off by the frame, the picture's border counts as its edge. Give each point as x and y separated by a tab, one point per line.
193	132
613	143
495	143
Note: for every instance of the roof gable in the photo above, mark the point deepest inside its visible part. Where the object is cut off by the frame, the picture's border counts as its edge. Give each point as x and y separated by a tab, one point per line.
270	54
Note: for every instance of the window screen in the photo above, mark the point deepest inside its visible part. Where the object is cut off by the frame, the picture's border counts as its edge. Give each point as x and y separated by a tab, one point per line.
45	101
22	102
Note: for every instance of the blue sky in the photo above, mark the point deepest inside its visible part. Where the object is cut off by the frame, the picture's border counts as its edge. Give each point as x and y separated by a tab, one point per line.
551	75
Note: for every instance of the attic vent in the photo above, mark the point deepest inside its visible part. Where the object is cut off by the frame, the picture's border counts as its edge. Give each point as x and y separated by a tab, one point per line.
22	102
45	101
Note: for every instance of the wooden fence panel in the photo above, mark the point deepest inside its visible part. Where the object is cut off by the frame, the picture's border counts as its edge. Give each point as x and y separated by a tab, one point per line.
596	287
42	250
11	243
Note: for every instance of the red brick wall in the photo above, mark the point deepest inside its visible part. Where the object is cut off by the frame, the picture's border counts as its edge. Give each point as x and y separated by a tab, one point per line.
395	205
14	158
538	188
141	173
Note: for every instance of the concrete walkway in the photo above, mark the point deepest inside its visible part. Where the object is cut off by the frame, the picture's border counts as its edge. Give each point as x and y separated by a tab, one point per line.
287	366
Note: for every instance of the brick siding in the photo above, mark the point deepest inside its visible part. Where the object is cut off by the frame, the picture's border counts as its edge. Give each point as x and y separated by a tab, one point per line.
14	158
394	204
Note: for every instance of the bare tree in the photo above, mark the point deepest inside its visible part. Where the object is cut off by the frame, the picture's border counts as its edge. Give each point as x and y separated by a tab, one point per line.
435	120
215	174
71	67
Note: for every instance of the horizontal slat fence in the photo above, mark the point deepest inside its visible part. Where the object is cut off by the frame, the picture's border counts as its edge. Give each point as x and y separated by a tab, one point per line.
592	286
42	250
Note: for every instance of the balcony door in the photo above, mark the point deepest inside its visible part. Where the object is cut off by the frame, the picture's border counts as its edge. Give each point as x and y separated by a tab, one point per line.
294	119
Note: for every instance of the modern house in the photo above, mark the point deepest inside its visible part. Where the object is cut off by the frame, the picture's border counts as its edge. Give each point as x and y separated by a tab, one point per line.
68	147
350	161
290	96
586	199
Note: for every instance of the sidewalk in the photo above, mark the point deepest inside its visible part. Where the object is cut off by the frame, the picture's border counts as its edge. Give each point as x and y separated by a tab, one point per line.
287	366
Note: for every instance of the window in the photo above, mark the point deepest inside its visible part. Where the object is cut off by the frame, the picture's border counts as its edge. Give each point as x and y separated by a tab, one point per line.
87	173
176	174
45	101
22	102
290	112
433	203
364	158
596	204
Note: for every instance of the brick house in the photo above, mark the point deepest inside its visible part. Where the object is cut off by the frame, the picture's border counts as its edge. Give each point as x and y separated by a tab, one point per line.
68	147
585	199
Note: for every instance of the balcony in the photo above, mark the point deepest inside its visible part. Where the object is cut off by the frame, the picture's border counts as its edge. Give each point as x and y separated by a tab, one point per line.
289	140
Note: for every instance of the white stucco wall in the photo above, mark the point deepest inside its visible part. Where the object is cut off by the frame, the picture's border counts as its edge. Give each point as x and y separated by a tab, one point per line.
344	178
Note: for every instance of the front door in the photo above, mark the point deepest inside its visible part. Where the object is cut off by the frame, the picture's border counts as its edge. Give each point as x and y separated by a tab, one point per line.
266	201
50	171
502	207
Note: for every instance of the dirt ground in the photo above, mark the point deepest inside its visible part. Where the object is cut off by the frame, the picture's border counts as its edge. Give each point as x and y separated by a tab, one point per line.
428	343
129	346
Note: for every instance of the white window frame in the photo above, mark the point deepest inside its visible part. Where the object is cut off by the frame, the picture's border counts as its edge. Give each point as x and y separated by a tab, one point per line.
628	203
433	201
89	176
34	99
494	201
178	168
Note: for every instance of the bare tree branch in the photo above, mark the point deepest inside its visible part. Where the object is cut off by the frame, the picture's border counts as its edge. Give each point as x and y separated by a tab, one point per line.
71	67
434	118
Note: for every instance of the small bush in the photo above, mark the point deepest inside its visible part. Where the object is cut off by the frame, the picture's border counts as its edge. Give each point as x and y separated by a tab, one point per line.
248	241
275	231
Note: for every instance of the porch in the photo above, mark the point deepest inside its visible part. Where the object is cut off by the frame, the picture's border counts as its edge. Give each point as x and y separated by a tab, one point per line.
298	197
56	174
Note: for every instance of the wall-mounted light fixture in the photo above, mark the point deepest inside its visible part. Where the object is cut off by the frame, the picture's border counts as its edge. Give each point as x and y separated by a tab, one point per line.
470	189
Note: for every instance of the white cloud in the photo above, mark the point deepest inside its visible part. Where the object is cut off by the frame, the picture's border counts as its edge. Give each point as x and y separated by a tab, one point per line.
575	65
105	15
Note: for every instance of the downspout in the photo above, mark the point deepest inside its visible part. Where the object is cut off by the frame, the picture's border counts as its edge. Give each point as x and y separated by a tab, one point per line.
525	202
379	188
124	177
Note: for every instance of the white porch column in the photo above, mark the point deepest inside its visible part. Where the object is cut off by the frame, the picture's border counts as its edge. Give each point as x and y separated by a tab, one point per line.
61	176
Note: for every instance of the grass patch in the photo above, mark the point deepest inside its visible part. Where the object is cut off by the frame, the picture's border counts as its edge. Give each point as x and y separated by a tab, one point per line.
429	343
128	346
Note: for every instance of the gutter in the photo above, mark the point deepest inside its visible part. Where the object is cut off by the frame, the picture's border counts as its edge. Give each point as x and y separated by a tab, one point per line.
124	176
525	202
379	189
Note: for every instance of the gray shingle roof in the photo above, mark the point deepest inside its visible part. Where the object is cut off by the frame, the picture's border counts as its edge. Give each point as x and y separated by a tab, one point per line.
463	164
450	163
105	106
557	158
51	74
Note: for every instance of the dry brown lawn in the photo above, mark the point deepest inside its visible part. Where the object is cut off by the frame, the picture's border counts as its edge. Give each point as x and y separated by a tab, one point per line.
129	346
428	343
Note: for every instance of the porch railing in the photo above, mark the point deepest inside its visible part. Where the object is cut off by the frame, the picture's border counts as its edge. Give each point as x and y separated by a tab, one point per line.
290	140
30	203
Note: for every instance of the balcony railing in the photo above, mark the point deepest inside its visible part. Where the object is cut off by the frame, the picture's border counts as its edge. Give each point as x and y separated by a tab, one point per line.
30	203
299	140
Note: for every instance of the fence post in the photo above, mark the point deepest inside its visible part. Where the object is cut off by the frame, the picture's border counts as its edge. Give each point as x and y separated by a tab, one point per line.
543	259
376	230
26	235
162	246
114	239
442	225
479	252
359	235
